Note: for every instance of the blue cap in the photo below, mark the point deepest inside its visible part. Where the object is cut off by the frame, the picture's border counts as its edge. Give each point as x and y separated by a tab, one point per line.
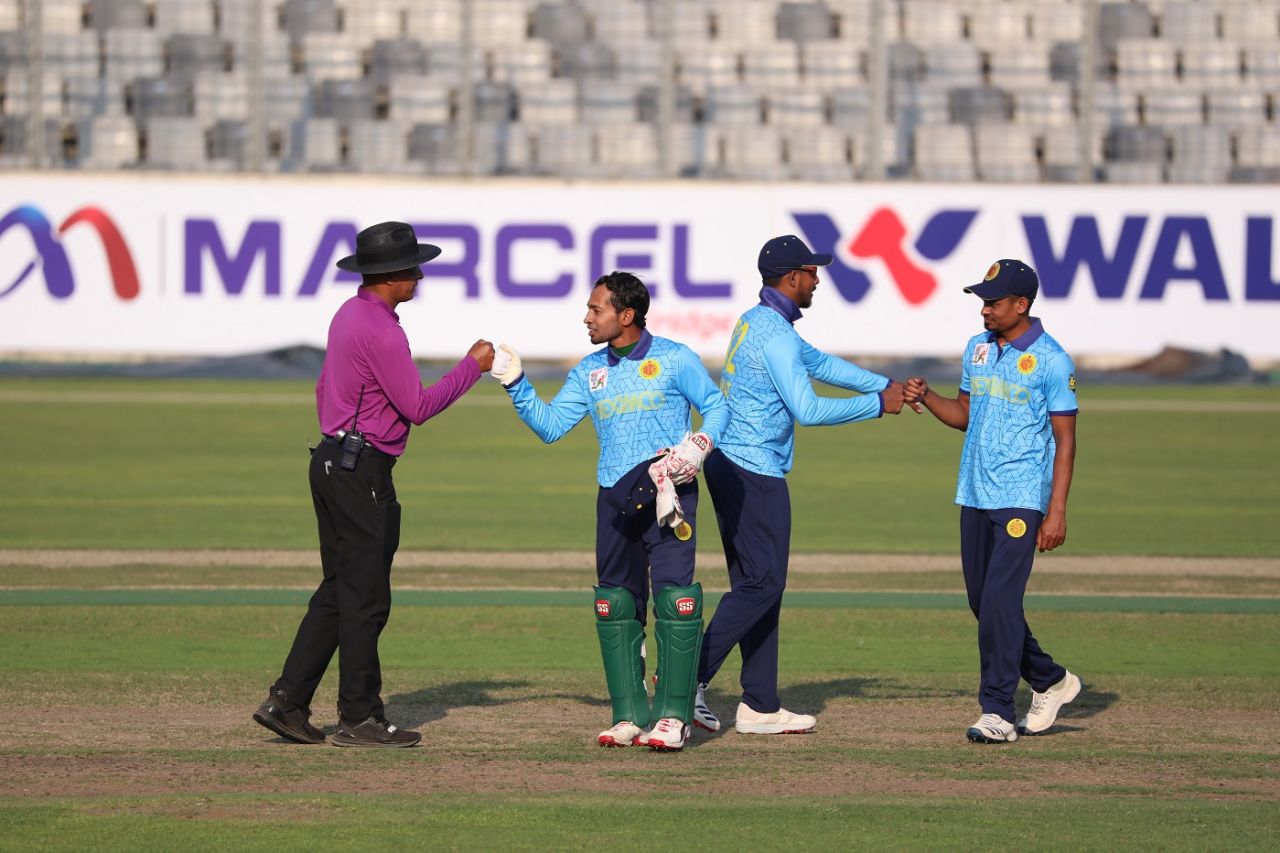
1007	277
781	255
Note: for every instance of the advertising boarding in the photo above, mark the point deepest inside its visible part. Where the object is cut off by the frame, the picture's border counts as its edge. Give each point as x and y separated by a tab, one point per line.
170	265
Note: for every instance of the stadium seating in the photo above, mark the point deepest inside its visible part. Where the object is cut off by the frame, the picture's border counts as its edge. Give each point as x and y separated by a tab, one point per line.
1185	90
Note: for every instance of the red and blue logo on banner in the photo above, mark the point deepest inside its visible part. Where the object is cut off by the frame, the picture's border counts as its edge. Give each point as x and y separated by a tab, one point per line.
51	257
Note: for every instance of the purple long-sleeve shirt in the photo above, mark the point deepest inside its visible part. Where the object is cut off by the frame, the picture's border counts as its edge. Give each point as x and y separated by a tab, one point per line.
367	348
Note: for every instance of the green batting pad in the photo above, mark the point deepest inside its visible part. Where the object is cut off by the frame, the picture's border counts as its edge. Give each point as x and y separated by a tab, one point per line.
621	639
678	630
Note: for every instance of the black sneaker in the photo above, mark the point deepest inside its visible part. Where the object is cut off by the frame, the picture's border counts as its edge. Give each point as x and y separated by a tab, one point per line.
375	731
292	724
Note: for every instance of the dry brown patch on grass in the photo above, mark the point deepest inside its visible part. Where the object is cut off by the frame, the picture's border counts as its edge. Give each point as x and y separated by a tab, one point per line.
520	561
547	745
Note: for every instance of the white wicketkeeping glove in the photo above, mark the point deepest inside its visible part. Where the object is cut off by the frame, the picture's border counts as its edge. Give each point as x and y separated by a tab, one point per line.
506	365
667	506
685	459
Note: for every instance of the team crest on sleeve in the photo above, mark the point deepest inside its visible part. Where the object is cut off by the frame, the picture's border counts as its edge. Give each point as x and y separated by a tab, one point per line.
1071	382
980	354
650	369
1027	364
597	379
1016	528
684	531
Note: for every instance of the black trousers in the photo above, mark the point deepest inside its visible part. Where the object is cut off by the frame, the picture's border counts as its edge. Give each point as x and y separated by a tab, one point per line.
359	525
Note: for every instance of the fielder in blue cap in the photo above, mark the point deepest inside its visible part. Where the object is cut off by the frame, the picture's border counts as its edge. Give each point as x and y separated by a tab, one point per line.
1017	407
766	382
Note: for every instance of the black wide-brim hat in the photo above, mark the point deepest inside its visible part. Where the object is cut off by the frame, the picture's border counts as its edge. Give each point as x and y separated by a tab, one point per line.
387	247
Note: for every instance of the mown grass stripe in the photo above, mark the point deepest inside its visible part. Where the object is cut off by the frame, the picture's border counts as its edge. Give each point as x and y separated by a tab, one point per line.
553	598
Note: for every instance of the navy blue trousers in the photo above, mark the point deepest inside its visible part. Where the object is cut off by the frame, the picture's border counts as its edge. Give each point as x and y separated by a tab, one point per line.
754	513
633	551
997	547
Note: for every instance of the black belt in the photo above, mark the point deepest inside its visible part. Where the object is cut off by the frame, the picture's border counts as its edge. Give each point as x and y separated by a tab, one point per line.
368	448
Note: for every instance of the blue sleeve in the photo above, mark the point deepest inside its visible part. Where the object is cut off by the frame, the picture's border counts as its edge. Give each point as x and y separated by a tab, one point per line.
964	368
696	386
840	373
550	421
784	361
1060	386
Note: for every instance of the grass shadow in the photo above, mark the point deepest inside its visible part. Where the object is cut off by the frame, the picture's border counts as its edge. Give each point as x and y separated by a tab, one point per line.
1088	704
424	706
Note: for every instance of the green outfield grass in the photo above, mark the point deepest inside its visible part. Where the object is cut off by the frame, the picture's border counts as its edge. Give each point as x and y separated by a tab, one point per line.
892	687
161	464
129	688
532	822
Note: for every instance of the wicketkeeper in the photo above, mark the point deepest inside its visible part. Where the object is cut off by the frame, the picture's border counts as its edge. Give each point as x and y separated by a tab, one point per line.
638	391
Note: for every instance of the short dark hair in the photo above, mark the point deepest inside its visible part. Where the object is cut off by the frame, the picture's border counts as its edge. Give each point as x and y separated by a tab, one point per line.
390	275
626	291
773	282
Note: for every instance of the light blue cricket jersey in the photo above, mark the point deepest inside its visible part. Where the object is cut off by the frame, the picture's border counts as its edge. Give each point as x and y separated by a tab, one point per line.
766	381
639	404
1007	461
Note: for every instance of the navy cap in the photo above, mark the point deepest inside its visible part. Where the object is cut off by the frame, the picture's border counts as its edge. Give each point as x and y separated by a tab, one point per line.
781	255
634	492
1007	277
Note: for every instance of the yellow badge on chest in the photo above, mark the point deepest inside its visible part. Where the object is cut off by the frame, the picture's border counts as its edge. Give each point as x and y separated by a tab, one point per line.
1027	364
684	531
650	369
1017	528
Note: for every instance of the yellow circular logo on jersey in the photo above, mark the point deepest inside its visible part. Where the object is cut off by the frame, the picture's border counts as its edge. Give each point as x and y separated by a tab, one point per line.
650	369
684	531
993	272
1027	364
1016	528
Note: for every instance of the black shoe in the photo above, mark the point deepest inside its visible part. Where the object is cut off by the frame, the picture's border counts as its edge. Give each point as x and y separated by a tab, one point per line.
375	731
292	724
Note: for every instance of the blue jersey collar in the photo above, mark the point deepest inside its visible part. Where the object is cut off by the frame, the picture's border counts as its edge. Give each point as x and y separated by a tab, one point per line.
641	350
771	297
1023	342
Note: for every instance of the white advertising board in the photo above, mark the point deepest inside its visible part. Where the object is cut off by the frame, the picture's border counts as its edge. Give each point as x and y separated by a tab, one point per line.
179	265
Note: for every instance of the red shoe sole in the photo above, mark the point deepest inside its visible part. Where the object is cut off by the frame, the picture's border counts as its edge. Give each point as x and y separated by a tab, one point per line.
664	748
704	727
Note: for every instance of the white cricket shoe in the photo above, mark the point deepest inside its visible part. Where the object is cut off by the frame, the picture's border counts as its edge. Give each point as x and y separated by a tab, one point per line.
668	735
1045	706
625	733
992	728
780	722
703	717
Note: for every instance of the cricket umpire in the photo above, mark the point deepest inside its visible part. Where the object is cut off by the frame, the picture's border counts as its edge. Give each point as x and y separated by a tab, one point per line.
766	382
1017	406
368	394
638	390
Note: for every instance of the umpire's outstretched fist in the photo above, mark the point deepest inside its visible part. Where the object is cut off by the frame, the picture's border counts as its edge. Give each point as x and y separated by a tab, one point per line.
482	352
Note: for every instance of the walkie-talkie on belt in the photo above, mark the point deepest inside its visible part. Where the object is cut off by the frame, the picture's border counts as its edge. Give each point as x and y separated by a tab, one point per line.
352	440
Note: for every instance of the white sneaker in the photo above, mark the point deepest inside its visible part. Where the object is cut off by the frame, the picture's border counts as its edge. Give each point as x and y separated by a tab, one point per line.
1045	706
992	728
702	715
780	722
668	735
625	733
